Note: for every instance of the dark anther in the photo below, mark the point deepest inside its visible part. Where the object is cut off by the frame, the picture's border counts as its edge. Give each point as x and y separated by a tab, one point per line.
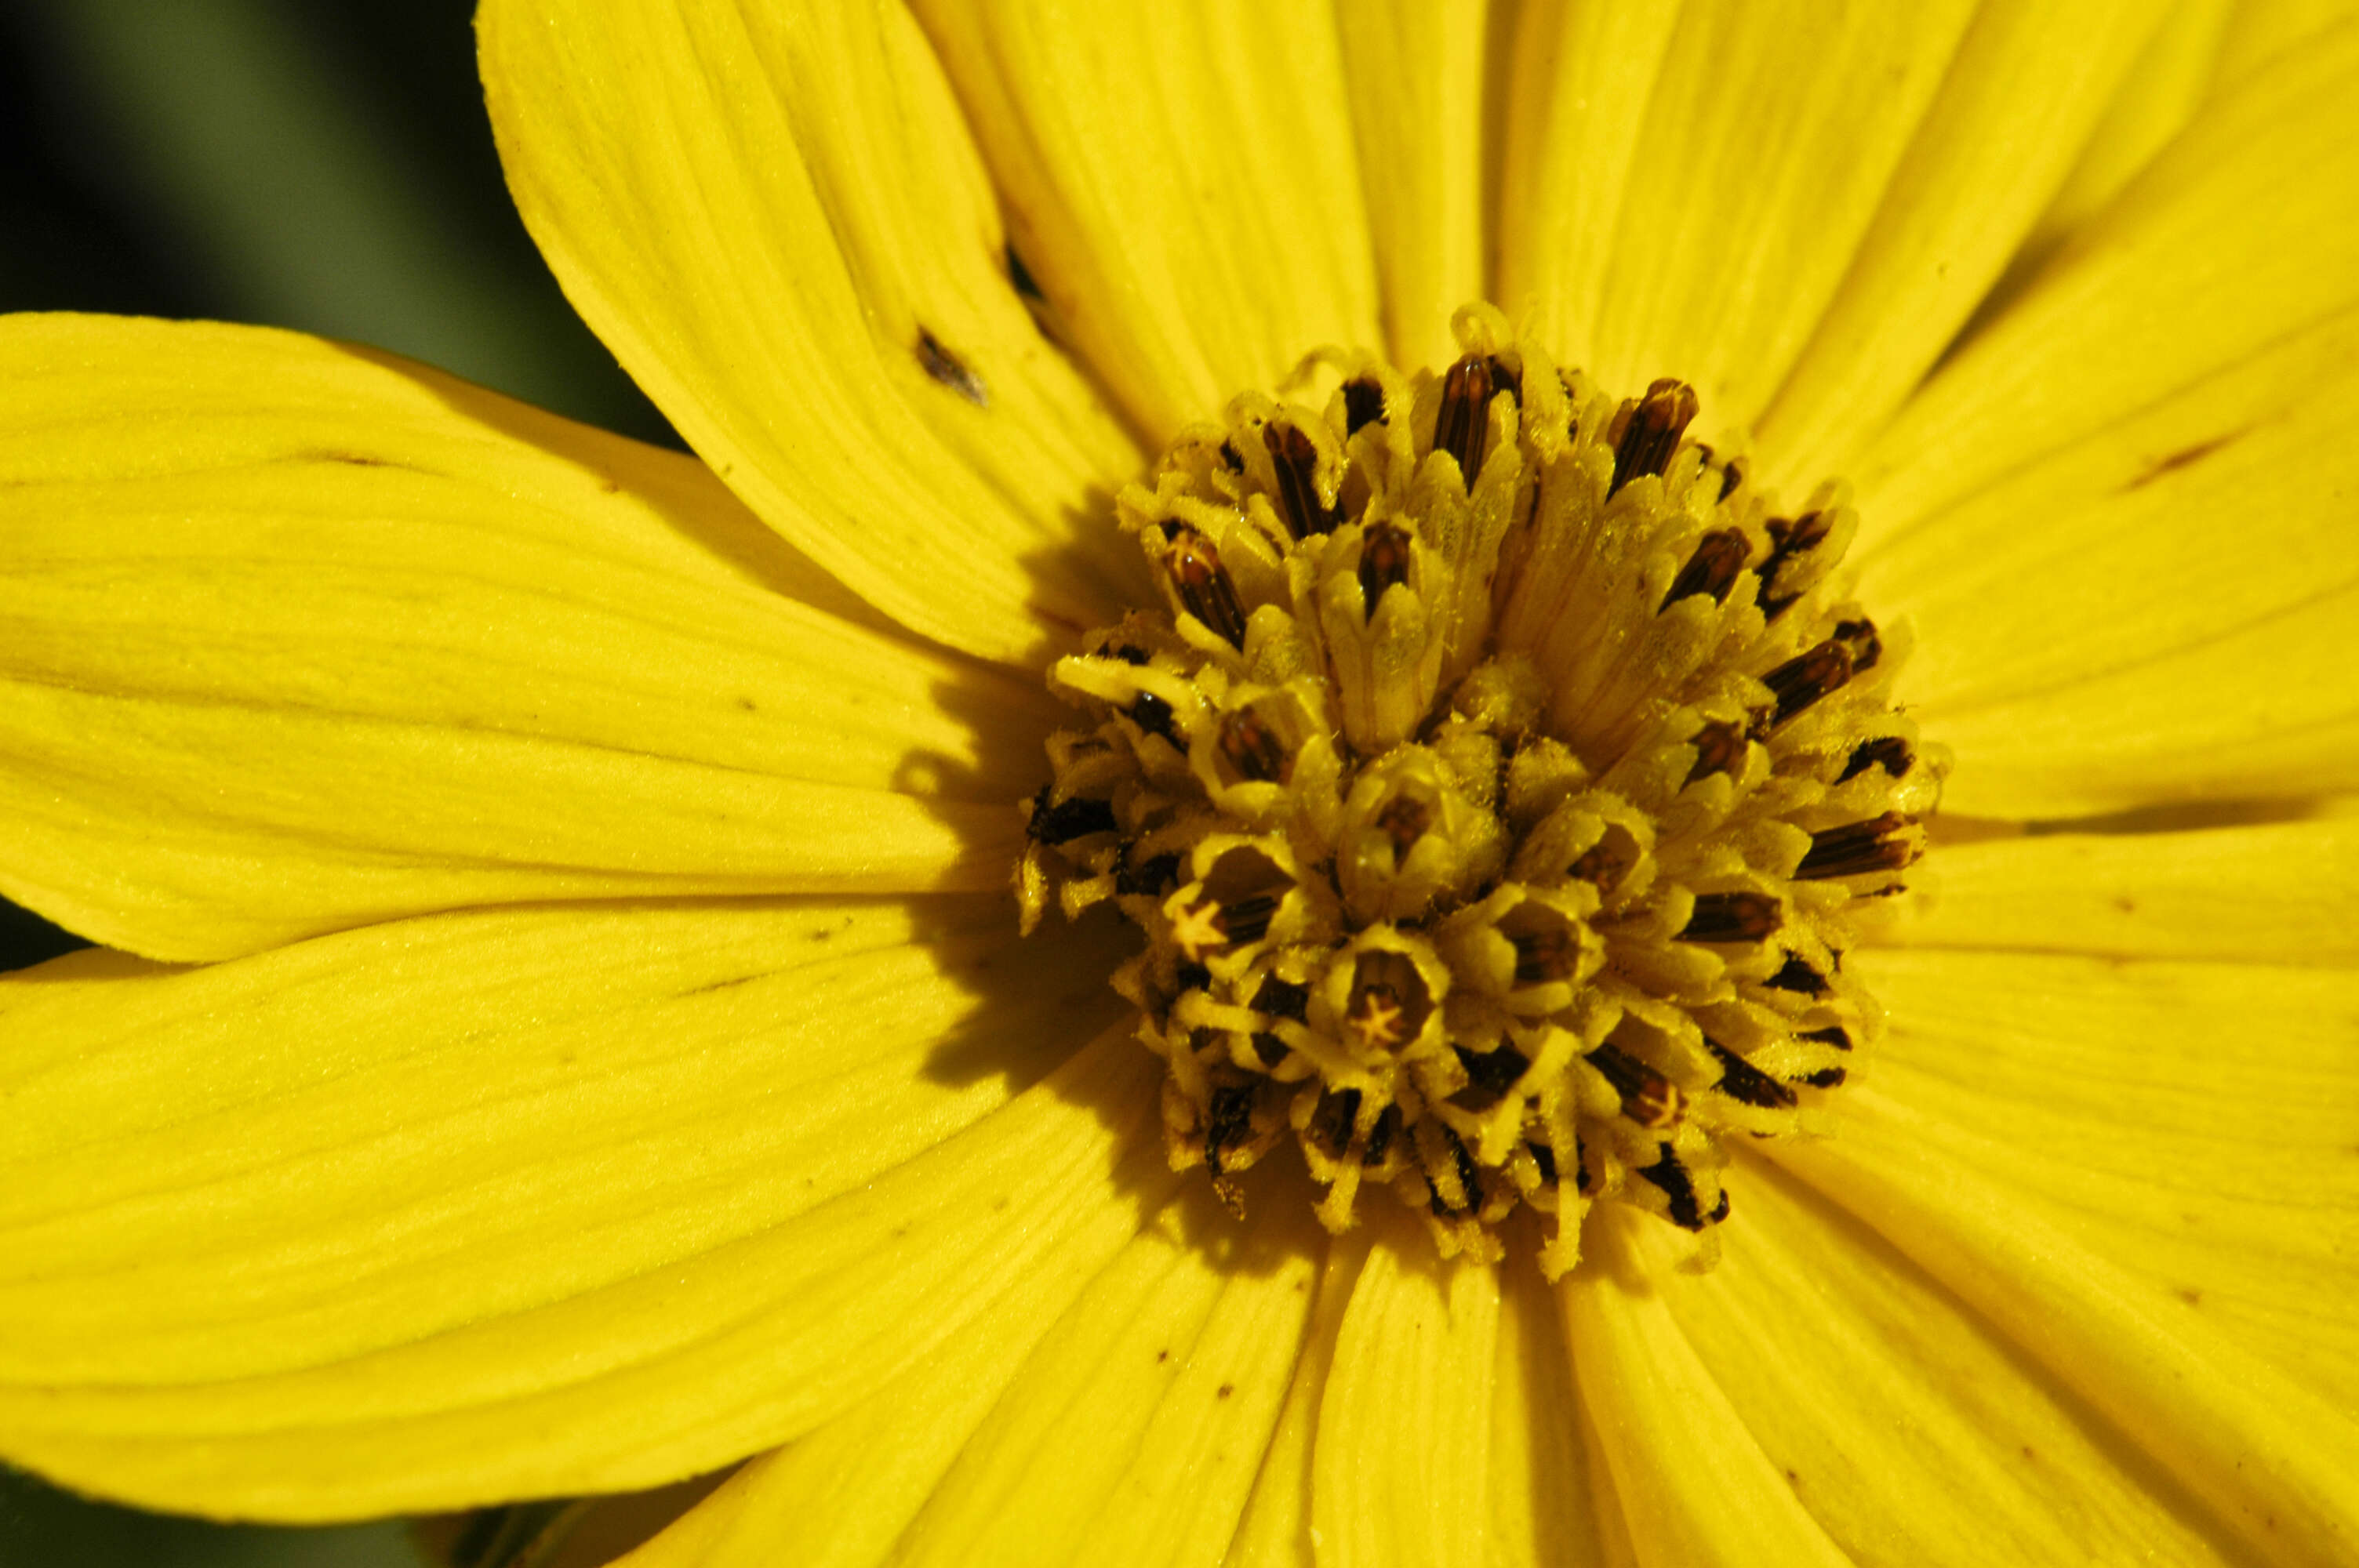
1493	1072
1363	402
1733	917
1806	677
1282	999
1741	1080
1648	1099
1191	977
1072	820
1380	1136
1204	586
1252	747
1463	424
1604	864
1731	477
1794	975
1384	561
1228	1121
1295	458
1889	752
1580	1179
1126	654
1549	954
1332	1122
1154	715
1403	820
1269	1048
1834	1035
1153	876
1720	1209
1470	1180
1653	431
1231	459
1672	1177
1719	557
1720	749
1248	920
1825	1078
1786	540
1505	378
1858	847
1860	637
951	371
1545	1158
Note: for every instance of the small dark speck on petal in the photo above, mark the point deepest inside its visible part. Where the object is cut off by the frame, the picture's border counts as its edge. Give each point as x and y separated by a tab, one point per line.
1227	1389
2186	457
950	369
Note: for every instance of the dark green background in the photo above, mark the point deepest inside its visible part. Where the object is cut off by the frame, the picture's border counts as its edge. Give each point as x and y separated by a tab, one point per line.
317	164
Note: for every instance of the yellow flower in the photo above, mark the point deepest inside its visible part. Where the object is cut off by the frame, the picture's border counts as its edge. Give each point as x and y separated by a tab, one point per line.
609	1053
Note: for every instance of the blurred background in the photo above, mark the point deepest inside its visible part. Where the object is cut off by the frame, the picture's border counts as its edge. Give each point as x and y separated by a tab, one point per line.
322	164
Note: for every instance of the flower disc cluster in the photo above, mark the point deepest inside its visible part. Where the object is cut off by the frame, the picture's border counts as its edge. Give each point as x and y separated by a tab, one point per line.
1498	792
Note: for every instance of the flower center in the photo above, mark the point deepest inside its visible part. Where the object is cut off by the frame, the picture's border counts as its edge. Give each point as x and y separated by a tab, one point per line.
1498	792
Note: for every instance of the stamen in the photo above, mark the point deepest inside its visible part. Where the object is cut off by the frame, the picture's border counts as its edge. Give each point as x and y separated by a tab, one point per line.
1473	872
1653	432
1205	589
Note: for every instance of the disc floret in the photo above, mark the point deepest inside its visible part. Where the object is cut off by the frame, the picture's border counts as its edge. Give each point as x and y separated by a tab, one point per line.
1498	789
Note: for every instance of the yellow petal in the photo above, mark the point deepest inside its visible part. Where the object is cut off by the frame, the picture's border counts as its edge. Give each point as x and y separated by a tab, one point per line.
2030	80
2162	92
2140	1172
533	1203
2196	1119
1134	1433
1540	1510
1913	1433
777	222
1182	182
1694	1487
2261	31
1757	162
298	636
2244	232
1128	1435
1399	1473
1275	1530
2160	611
1416	78
2283	893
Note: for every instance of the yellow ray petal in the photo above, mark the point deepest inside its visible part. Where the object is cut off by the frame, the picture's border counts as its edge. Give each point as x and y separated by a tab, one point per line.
2160	611
1182	182
1275	1530
2079	1149
1577	96
2244	232
528	1203
1134	1433
1693	1484
2283	893
777	222
1540	1510
2261	31
1756	168
298	636
1118	1402
1416	74
1910	1430
2195	1120
2031	79
1400	1473
2162	92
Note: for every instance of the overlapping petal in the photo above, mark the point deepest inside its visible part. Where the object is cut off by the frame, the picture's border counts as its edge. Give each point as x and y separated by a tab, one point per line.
1181	181
2283	892
2141	1173
299	637
541	1201
777	221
